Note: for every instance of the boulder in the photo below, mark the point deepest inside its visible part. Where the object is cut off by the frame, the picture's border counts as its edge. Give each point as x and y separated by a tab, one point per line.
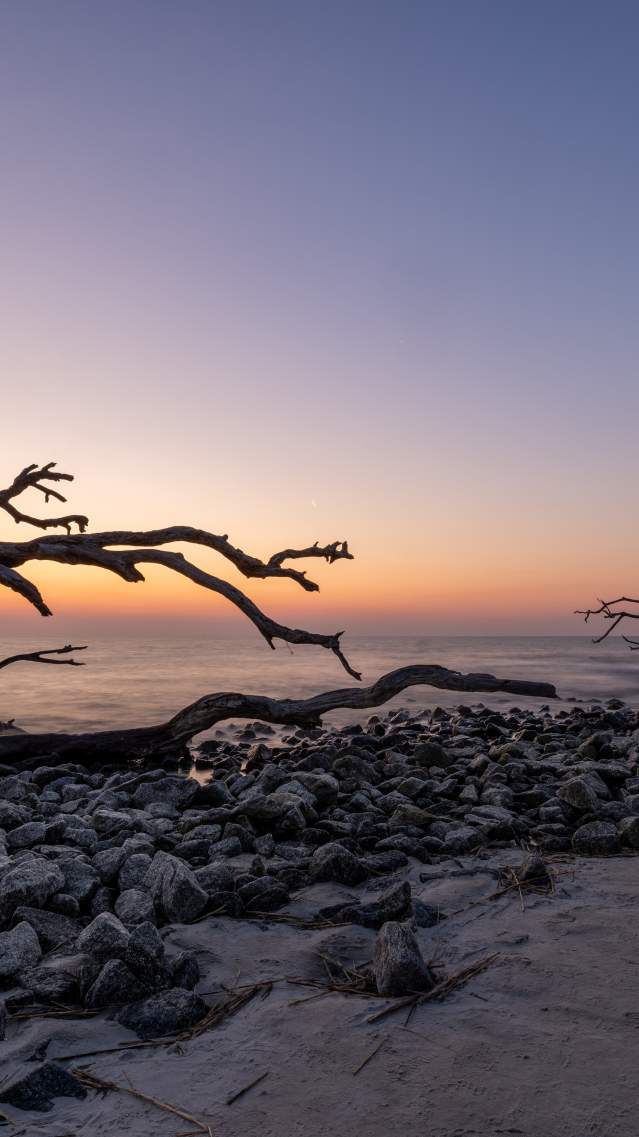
104	938
37	1089
398	965
596	839
334	862
174	889
134	907
115	985
164	1014
30	881
19	949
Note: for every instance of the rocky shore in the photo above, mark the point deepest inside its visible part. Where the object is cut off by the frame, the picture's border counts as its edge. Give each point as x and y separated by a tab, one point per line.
100	869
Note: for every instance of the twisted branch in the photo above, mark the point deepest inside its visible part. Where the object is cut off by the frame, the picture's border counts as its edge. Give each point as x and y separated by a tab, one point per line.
607	609
171	737
32	477
111	551
40	657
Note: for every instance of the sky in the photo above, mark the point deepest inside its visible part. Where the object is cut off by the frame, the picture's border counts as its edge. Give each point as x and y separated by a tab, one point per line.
298	270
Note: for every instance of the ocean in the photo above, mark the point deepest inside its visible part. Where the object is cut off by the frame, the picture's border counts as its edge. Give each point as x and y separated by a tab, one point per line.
135	681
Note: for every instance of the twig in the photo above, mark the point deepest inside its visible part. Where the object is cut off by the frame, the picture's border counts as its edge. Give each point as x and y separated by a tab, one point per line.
93	1082
245	1089
439	991
369	1056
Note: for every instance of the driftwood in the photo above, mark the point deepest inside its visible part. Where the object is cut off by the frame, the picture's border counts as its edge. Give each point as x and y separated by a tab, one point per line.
103	550
170	738
40	657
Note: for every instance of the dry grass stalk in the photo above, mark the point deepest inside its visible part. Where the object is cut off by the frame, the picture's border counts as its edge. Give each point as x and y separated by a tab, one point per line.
369	1057
92	1082
245	1089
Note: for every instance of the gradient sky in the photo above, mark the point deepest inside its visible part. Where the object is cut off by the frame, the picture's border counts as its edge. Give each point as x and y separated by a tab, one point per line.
299	270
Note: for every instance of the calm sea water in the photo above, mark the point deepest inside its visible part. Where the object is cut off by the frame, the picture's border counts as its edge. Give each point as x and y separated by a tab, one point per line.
128	682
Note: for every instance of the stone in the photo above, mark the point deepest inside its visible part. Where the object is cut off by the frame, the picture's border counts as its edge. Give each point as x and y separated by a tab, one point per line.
334	862
134	907
19	949
37	1089
145	956
81	879
133	871
185	970
432	754
30	881
104	938
596	839
628	830
579	794
50	984
462	840
398	965
174	888
25	836
52	929
164	1014
394	904
114	986
264	894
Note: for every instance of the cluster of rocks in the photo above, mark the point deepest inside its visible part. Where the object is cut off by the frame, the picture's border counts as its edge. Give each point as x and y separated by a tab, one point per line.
92	864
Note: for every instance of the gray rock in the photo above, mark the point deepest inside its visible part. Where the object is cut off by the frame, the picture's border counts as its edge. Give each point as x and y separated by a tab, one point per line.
596	839
174	888
165	1014
104	938
37	1090
579	794
185	970
3	1020
81	879
135	907
52	929
334	862
462	840
394	904
19	949
133	871
25	836
264	894
628	830
398	965
145	956
50	984
30	881
114	986
432	754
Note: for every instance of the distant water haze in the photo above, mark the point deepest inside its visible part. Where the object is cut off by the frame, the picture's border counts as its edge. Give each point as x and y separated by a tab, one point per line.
135	681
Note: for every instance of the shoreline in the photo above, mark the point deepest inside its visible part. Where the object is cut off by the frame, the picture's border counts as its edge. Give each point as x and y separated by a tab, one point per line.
313	845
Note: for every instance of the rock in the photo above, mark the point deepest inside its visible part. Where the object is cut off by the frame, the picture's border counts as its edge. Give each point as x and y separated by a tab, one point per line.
185	970
50	984
174	888
398	965
179	792
114	986
37	1089
264	894
334	862
25	836
30	881
596	839
52	929
394	904
19	949
165	1014
3	1020
462	840
133	871
579	794
81	879
432	754
628	830
534	870
104	938
134	907
145	956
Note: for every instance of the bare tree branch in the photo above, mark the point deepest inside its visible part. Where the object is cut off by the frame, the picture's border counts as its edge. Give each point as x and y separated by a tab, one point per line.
40	657
111	551
172	736
608	610
33	477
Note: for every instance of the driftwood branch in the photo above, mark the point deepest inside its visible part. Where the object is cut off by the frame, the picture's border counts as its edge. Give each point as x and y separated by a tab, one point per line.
41	657
171	737
36	477
123	551
609	610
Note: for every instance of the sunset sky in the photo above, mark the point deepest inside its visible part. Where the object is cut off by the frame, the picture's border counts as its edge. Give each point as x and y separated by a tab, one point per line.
295	271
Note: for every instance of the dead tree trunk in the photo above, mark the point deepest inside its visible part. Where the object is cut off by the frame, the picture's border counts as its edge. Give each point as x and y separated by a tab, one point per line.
170	738
609	610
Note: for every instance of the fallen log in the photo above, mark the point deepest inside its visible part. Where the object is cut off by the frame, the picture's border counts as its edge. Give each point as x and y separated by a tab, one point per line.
171	738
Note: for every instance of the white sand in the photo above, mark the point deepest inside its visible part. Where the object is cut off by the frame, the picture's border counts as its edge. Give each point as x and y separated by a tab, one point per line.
543	1044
